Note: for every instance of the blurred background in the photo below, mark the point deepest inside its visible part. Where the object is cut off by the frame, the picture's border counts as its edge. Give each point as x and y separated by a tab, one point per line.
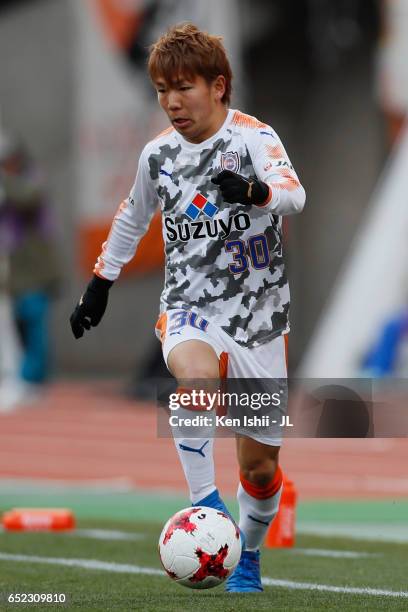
76	108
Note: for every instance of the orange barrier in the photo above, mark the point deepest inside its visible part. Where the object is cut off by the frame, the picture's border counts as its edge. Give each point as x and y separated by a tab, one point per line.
38	519
281	533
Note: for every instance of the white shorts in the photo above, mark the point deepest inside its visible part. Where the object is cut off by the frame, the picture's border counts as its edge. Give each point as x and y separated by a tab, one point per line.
267	361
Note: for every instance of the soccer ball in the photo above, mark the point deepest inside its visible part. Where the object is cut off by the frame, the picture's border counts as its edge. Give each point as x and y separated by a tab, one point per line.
200	547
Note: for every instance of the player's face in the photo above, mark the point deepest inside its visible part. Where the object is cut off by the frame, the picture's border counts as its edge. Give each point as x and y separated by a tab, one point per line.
193	106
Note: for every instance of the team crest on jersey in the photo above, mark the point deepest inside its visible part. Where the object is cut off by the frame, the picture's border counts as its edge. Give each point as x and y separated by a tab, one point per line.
230	161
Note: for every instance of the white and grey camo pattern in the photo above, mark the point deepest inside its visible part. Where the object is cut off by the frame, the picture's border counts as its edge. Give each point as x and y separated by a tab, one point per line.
252	306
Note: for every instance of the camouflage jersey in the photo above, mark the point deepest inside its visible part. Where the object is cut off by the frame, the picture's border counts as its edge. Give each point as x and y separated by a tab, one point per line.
223	261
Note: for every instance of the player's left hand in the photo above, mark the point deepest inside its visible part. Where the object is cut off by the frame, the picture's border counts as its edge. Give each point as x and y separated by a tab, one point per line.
236	189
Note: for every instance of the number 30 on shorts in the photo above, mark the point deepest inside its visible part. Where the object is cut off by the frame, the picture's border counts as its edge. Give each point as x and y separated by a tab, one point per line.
257	249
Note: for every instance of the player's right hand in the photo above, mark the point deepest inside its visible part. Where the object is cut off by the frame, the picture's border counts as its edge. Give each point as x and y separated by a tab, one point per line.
91	307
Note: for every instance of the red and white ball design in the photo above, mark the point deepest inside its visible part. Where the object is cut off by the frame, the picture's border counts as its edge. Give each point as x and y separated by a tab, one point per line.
200	547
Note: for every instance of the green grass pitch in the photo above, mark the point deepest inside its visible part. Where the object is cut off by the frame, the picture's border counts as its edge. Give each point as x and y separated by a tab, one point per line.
384	567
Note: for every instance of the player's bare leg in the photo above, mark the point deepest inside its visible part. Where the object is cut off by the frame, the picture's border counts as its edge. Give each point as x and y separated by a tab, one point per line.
258	462
190	361
193	359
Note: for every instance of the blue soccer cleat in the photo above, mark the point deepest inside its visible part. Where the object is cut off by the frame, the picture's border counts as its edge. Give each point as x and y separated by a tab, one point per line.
247	576
213	500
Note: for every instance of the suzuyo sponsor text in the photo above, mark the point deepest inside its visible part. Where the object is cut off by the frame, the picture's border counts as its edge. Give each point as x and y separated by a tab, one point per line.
208	228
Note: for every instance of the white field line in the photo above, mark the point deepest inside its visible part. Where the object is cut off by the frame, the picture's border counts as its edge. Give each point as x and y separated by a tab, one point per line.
374	533
92	564
107	534
97	534
110	534
333	554
121	568
328	588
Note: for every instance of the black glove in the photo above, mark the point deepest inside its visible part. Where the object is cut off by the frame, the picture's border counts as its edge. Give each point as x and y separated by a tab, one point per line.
91	307
236	189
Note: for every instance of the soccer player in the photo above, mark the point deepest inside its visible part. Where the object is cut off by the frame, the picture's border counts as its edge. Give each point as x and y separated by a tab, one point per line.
223	181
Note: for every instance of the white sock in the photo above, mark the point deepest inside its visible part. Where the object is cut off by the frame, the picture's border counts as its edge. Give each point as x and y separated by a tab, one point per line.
196	456
255	516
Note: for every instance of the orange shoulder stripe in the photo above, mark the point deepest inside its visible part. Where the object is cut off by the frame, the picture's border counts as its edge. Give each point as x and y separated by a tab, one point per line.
275	152
244	120
164	132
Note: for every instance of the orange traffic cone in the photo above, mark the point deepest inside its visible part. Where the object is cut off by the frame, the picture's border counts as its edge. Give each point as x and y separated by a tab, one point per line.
38	519
281	532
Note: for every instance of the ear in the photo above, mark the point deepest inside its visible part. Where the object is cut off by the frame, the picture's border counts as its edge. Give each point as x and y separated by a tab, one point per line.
219	86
